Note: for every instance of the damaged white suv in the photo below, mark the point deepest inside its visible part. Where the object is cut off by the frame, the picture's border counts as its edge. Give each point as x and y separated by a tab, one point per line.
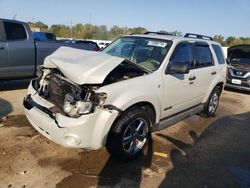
115	98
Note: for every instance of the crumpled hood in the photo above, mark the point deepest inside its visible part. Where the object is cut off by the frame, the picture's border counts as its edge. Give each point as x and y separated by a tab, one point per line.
81	66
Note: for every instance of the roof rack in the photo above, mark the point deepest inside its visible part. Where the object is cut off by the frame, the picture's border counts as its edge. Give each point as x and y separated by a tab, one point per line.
198	36
157	33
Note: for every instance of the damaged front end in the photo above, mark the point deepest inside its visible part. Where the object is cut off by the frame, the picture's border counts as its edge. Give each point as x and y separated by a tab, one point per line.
69	98
73	100
68	101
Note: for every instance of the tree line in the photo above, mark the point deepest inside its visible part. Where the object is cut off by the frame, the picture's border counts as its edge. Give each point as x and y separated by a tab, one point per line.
101	32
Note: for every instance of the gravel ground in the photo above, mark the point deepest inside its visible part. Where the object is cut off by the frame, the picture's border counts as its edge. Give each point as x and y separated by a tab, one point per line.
197	152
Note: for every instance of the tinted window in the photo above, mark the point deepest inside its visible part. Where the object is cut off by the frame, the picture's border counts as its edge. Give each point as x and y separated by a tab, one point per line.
219	53
183	53
14	31
203	56
50	36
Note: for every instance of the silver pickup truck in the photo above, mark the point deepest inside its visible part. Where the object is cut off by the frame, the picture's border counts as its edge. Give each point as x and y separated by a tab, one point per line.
20	54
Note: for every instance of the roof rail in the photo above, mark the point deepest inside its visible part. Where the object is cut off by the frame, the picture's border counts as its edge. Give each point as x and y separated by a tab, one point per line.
198	36
157	33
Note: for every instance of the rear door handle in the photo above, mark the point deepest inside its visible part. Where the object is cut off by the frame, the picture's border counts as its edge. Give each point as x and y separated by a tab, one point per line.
192	78
1	48
213	73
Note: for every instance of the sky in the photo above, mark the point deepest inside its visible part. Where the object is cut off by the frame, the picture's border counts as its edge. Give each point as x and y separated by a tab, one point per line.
208	17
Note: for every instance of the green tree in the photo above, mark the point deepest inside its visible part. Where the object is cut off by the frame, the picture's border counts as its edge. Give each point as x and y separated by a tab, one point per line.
229	40
87	31
219	39
117	31
136	30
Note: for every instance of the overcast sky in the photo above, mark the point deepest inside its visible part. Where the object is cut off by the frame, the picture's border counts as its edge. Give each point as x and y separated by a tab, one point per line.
209	17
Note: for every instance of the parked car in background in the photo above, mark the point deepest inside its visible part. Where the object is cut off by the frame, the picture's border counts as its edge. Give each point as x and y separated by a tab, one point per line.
44	36
238	74
117	97
20	54
90	45
103	44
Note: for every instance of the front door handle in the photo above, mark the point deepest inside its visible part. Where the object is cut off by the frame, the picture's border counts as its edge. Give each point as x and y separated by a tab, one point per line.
192	78
213	73
1	48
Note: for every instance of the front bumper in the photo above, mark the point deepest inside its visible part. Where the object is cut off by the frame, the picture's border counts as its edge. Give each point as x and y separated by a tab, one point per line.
244	82
238	87
88	131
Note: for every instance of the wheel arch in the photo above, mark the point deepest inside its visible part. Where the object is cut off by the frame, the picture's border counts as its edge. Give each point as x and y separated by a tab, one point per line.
211	88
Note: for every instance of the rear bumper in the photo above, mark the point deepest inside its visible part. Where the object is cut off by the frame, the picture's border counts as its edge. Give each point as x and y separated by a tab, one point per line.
88	131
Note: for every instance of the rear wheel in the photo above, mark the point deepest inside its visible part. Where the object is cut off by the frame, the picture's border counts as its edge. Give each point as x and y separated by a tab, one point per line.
212	103
129	134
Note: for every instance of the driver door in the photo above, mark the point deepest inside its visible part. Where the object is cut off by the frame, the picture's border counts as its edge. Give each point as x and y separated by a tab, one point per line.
180	90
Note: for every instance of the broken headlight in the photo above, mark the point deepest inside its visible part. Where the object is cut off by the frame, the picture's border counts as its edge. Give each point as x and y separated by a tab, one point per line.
76	108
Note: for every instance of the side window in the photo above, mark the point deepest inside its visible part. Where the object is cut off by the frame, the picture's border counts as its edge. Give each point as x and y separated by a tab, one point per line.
14	31
183	53
2	33
203	56
219	53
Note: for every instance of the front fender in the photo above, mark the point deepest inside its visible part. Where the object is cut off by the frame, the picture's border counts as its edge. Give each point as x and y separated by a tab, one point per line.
125	94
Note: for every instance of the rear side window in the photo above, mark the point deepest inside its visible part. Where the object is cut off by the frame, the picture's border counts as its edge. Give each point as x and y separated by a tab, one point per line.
203	56
183	53
2	32
14	31
219	53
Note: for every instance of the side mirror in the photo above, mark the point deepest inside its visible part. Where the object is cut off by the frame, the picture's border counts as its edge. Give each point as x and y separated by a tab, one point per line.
177	68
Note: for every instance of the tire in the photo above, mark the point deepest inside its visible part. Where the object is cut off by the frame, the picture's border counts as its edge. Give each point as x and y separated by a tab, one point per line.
129	134
212	103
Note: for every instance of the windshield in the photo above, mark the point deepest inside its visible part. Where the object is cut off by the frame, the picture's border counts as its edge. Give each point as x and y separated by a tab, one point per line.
146	52
241	60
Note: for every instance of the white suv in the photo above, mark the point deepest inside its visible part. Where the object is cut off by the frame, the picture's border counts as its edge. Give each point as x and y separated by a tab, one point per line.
115	98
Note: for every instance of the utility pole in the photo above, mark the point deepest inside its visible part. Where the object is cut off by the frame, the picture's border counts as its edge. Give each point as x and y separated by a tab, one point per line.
90	17
14	17
71	35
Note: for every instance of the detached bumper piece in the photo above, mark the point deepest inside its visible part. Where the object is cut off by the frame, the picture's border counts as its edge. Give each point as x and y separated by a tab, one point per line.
29	103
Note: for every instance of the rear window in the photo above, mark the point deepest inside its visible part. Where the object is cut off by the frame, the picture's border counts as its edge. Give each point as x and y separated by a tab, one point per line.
219	53
203	56
14	31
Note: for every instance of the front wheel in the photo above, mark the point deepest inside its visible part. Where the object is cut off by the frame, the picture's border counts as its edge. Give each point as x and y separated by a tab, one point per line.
129	134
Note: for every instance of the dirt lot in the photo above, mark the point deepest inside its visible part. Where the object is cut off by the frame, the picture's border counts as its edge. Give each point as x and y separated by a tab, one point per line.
196	152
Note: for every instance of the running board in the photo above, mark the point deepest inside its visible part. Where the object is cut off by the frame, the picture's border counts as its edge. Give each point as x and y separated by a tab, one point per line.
167	122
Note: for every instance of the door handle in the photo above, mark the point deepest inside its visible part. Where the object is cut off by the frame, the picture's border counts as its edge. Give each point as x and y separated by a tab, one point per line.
1	48
213	73
192	78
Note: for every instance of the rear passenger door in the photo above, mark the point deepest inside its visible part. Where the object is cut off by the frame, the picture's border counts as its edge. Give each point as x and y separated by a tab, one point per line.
204	68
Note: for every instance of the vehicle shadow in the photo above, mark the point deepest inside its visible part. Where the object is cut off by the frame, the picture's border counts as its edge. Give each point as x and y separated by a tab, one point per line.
14	84
237	91
98	169
220	157
126	174
5	108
